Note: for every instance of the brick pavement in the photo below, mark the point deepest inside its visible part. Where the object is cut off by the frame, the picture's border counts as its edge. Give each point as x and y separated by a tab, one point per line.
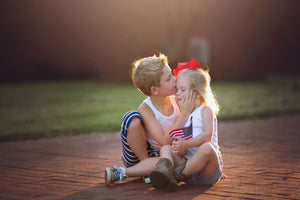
261	160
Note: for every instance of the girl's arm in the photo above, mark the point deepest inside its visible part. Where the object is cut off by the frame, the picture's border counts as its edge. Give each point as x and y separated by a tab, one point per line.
206	136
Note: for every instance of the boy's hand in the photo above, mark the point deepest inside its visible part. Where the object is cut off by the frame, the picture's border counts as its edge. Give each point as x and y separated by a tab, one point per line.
189	103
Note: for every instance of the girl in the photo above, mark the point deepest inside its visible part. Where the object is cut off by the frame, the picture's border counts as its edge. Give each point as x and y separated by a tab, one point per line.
195	151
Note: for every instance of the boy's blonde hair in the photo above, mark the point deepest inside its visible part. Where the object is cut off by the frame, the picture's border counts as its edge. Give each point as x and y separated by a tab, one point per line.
200	82
147	72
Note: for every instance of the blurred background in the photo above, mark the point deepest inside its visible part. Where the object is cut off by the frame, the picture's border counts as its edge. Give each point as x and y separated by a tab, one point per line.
65	64
99	39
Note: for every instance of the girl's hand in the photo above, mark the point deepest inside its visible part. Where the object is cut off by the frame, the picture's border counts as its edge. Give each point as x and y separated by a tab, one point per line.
189	102
179	146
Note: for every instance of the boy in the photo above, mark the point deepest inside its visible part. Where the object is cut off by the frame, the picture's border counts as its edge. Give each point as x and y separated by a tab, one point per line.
144	132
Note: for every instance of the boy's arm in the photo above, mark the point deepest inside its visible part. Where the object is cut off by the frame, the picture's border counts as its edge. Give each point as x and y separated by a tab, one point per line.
155	129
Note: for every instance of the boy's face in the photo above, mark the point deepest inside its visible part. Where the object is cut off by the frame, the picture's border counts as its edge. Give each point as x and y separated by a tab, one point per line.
182	88
167	82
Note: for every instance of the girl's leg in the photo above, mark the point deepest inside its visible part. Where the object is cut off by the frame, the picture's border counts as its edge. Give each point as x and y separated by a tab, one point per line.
136	139
205	161
178	160
166	152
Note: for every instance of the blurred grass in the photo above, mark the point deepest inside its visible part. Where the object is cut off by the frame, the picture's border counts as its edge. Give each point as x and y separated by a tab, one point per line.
243	100
42	110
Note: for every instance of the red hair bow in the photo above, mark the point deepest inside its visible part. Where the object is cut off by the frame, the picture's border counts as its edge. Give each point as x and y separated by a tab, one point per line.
193	64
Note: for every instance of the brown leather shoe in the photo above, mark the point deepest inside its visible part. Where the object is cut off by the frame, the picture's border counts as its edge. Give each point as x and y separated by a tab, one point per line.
162	177
178	175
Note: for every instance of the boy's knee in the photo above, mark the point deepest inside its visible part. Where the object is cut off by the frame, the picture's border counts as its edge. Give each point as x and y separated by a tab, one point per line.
135	124
136	131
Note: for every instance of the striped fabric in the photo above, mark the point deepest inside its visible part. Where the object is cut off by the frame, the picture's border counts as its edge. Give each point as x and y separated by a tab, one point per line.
185	132
128	157
179	133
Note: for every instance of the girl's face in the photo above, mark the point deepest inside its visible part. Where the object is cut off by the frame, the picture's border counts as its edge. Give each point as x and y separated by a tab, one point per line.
182	88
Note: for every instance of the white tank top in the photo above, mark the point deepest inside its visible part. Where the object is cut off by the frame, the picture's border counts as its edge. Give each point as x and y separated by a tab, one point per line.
195	119
165	121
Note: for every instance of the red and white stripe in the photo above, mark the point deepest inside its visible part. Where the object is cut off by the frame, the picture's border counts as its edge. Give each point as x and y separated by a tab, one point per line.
179	133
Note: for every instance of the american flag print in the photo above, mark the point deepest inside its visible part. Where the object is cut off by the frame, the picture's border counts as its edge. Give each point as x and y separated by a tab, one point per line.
185	133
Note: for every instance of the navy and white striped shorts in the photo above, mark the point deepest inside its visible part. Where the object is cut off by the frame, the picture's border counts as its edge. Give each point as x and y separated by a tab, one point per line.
128	156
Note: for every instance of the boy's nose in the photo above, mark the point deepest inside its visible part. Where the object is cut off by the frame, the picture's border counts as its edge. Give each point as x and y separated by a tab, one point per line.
174	78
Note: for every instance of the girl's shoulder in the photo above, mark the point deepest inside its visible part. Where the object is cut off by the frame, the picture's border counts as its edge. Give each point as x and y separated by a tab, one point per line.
201	108
198	110
206	111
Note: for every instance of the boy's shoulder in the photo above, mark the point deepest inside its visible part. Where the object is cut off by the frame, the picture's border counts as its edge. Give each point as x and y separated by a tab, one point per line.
145	106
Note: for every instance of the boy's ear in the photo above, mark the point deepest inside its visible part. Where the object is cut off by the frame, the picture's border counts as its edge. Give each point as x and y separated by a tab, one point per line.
154	90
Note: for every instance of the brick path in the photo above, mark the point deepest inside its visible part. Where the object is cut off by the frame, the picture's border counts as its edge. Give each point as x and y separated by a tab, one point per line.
261	160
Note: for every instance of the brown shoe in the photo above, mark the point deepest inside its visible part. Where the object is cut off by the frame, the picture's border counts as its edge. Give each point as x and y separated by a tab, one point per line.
162	177
178	175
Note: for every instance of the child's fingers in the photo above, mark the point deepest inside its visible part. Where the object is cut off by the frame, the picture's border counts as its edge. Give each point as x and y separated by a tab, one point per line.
176	140
193	95
176	143
188	96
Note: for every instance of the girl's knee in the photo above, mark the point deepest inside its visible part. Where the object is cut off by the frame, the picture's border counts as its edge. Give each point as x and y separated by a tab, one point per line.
206	149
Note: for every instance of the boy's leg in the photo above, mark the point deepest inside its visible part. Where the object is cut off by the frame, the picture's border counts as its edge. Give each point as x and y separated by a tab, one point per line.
142	168
134	151
162	177
205	162
166	152
133	139
136	139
